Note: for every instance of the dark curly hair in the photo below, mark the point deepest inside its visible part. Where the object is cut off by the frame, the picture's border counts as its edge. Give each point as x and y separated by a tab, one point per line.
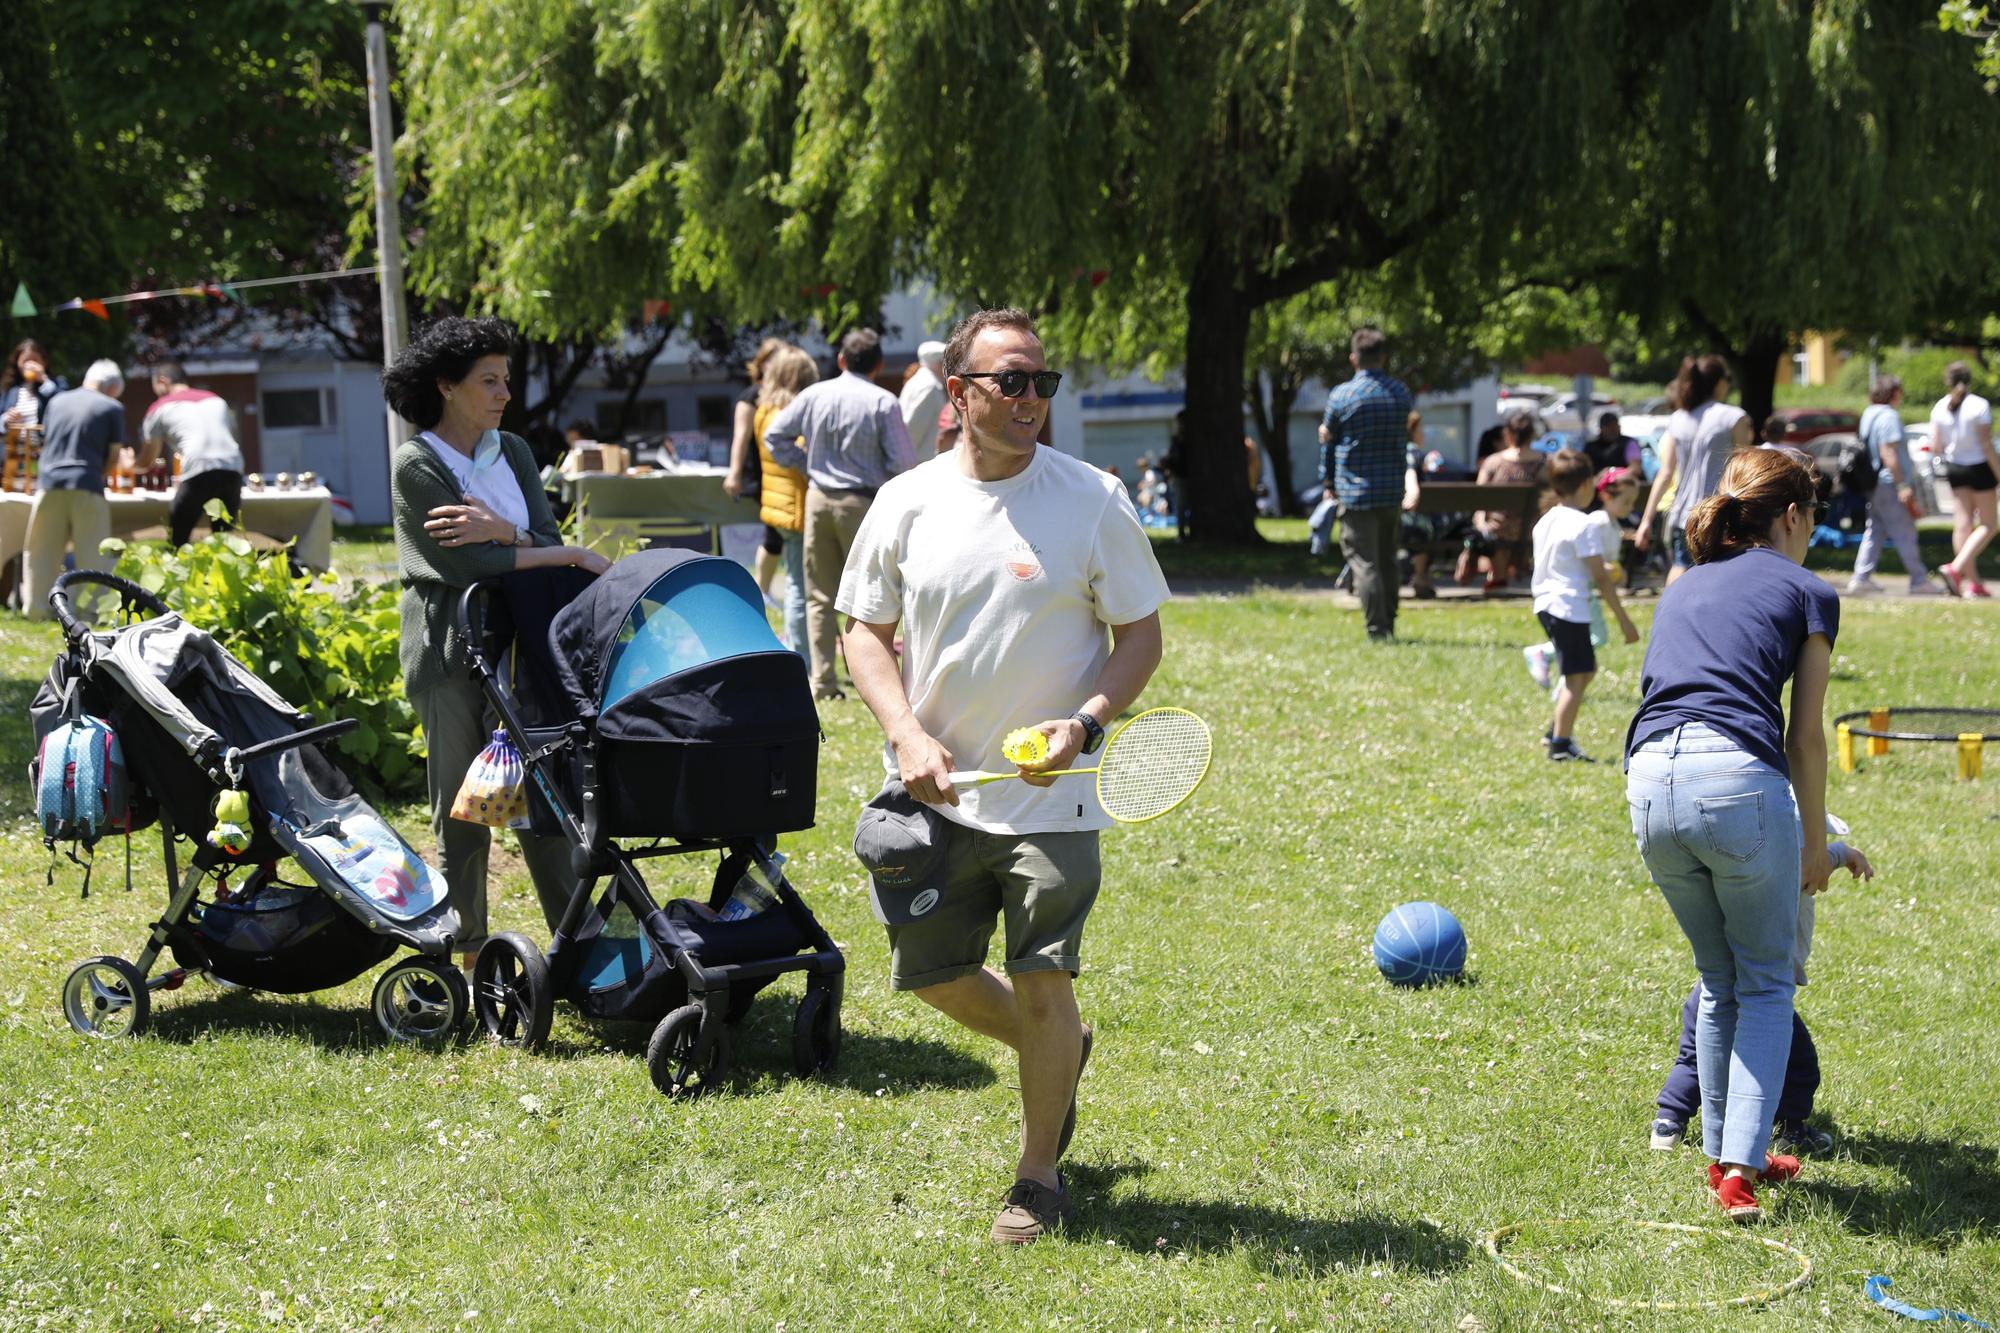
444	349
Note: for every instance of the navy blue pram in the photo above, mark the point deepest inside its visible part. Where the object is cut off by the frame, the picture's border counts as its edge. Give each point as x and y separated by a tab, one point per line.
192	721
658	708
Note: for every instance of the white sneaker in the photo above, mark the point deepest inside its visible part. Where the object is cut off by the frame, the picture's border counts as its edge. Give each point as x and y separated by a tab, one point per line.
1861	583
1923	587
1538	663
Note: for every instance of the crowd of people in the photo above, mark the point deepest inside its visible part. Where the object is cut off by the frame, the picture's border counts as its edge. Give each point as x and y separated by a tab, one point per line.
80	447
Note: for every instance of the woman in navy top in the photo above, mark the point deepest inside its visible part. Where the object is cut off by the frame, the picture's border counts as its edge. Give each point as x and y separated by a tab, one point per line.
1720	782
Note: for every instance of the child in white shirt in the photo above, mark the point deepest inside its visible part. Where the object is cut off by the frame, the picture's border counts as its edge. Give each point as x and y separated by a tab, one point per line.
1571	548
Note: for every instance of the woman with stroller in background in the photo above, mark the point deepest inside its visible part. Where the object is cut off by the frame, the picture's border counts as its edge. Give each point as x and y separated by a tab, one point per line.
468	505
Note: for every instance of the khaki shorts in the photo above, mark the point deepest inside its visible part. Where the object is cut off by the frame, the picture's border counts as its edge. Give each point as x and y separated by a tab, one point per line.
1042	884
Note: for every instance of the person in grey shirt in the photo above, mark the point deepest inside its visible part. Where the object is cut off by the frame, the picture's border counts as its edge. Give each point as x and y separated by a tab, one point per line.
854	439
1892	506
80	429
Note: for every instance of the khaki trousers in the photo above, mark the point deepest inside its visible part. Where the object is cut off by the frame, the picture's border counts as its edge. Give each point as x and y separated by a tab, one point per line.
831	522
58	519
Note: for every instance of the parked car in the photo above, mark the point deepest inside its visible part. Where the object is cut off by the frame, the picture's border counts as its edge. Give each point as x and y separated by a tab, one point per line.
1560	413
1809	423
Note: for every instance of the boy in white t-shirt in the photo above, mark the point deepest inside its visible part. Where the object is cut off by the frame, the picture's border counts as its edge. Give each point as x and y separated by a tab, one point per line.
1570	552
1028	596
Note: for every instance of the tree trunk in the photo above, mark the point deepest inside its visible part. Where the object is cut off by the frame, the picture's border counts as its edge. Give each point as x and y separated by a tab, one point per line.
1757	369
1214	494
1270	395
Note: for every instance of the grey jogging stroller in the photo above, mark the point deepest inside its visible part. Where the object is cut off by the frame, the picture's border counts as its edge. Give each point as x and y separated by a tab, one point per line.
193	722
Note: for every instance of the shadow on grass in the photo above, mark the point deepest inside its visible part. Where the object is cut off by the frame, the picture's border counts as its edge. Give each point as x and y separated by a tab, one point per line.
201	1011
1949	1193
762	1042
1273	1240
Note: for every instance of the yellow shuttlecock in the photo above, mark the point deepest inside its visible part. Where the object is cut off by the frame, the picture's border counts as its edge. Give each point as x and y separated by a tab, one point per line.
1025	745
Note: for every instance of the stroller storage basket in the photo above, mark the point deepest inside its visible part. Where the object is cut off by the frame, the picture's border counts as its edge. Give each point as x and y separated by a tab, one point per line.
287	941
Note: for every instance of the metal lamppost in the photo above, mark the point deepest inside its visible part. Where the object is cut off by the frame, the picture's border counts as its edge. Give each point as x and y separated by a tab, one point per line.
388	216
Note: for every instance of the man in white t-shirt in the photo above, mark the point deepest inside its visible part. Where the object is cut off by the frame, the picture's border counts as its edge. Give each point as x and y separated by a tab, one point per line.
1962	435
1028	596
197	427
923	400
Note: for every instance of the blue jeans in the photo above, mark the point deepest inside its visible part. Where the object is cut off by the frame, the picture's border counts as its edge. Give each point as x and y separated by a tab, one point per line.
1719	832
795	594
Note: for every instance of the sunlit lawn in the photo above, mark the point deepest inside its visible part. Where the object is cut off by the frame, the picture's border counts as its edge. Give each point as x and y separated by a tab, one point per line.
1271	1136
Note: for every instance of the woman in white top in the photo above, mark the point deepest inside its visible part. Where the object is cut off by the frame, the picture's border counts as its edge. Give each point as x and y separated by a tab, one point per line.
1962	435
468	505
1701	435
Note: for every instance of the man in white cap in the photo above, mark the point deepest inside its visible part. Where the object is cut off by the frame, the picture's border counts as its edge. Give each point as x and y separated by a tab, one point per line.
923	399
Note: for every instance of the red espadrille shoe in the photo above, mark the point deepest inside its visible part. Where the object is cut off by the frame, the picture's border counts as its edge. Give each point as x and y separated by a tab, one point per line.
1779	1168
1737	1199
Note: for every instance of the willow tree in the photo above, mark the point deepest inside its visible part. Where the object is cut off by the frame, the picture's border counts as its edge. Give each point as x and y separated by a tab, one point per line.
53	238
1147	174
1791	167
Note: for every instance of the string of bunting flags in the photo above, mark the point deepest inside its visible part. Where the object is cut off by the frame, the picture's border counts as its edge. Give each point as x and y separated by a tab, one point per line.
100	306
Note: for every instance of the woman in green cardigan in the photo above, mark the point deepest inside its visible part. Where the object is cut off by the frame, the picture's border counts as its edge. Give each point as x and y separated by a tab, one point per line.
468	505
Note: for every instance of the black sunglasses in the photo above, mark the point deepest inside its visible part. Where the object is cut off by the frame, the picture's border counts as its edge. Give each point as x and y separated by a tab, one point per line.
1013	383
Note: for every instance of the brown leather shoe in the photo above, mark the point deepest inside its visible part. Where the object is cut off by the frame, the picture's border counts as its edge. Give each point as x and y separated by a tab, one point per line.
1032	1211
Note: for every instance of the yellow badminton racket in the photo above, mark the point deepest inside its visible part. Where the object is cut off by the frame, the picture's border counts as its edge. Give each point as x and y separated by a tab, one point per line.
1149	766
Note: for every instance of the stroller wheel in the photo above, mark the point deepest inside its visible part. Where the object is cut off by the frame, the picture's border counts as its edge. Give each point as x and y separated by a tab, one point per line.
421	1000
106	997
674	1056
511	999
816	1032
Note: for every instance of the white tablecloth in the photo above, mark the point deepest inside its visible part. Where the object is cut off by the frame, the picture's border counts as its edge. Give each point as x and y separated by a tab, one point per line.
306	516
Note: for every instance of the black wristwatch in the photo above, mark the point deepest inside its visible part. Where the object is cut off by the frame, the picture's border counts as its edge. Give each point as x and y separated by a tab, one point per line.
1093	732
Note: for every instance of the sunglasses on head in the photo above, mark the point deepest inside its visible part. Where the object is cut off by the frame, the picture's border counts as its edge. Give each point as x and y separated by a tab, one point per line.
1013	383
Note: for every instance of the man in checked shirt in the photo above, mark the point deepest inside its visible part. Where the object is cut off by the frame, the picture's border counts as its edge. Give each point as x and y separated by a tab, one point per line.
1364	440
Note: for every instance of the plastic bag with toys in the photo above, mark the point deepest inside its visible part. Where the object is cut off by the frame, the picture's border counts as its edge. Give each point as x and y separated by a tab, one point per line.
495	790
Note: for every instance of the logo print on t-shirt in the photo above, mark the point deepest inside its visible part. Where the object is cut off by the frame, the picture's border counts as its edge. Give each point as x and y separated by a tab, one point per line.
1024	564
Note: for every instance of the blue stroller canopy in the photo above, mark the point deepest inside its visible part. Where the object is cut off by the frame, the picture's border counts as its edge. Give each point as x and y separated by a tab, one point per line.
698	612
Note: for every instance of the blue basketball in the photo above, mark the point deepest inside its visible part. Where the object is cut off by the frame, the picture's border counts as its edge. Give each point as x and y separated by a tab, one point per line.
1419	943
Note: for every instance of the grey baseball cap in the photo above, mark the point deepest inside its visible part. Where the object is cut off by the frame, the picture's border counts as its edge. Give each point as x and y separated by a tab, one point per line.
901	841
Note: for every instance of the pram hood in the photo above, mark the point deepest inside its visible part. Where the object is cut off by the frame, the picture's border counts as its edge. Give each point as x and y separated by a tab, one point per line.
349	850
653	615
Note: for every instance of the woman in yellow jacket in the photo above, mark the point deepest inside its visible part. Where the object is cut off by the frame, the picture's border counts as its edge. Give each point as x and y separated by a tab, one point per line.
785	373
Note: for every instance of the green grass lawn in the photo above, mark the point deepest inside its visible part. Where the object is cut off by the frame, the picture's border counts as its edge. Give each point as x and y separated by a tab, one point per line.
1271	1136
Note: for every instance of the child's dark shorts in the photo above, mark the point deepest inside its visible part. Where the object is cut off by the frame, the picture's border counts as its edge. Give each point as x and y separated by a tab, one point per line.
1574	655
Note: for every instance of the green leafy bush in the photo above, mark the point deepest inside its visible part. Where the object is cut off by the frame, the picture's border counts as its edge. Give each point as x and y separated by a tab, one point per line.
328	649
1922	373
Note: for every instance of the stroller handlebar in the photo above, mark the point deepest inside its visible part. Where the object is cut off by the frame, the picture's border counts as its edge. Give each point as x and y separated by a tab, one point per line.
234	760
130	596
